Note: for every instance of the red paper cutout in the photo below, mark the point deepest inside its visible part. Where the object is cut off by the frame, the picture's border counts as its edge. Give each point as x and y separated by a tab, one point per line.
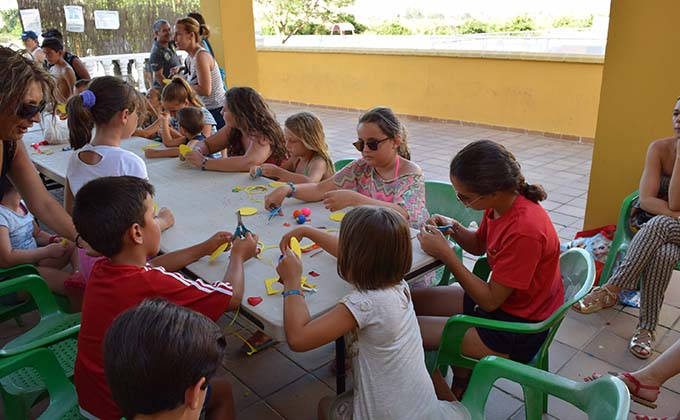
254	300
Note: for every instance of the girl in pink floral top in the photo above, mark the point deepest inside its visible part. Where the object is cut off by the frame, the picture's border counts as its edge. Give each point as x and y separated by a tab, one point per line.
383	176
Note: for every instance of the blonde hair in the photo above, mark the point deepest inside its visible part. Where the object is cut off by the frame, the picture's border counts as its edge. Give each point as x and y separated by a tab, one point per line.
192	26
178	90
308	128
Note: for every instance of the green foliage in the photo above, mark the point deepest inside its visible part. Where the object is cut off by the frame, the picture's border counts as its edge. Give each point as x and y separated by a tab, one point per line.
474	26
289	17
268	30
440	30
519	24
11	29
311	28
572	22
392	28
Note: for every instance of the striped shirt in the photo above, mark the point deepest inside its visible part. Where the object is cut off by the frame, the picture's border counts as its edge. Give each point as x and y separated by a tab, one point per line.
217	94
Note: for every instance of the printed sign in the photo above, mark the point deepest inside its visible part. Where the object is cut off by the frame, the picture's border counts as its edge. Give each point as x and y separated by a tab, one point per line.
74	19
106	19
30	19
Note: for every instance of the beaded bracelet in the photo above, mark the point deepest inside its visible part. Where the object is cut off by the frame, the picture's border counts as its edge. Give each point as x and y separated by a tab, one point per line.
292	187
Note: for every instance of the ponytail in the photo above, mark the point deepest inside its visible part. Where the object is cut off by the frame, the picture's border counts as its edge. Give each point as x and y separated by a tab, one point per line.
80	122
533	192
179	91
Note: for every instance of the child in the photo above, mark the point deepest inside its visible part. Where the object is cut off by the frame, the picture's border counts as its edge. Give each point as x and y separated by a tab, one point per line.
378	314
309	158
115	215
191	124
81	85
22	241
176	95
112	106
62	72
136	360
522	249
151	125
384	176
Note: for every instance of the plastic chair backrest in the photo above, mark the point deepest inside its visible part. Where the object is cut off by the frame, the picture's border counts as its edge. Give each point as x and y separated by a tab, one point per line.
440	198
604	398
339	164
622	236
63	398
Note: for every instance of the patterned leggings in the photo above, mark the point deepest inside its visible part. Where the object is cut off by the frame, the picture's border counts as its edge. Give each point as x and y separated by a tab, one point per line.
653	252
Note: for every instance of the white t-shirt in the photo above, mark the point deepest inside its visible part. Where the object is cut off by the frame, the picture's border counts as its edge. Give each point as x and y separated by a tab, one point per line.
388	361
115	162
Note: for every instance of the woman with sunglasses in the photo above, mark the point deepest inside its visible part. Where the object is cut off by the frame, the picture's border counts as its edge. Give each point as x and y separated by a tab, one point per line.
383	176
522	249
24	92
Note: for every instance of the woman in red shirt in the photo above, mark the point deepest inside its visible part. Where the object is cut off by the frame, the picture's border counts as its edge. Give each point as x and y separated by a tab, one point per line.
522	248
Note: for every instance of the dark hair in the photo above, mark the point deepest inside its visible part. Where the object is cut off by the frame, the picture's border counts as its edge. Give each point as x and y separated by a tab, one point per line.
191	119
364	260
105	208
150	369
204	31
390	125
53	44
5	186
487	167
82	82
112	95
253	116
19	72
53	33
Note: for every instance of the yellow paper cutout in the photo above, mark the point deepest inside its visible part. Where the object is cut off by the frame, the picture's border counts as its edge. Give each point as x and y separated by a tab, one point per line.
155	207
303	283
275	184
219	250
295	246
255	189
247	211
47	152
166	81
63	241
337	216
61	108
150	145
269	283
184	149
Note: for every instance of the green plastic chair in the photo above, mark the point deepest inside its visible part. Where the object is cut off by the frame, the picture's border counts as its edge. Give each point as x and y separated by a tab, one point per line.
15	311
604	398
440	198
578	274
44	364
622	237
339	164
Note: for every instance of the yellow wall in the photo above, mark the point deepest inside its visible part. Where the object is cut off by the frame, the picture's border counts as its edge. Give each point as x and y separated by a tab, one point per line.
555	97
639	87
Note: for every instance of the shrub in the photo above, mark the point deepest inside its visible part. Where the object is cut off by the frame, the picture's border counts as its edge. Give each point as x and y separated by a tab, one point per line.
474	26
572	22
519	24
392	28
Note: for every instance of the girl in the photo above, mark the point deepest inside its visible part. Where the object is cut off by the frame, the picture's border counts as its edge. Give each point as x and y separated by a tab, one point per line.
112	106
204	73
655	248
383	176
150	127
378	314
306	143
252	135
522	248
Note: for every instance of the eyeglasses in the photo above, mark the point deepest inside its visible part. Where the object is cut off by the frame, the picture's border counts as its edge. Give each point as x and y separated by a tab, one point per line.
27	111
372	144
467	202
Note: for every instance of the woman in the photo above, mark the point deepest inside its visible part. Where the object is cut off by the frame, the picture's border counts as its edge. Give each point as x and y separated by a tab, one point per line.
384	176
655	248
522	248
23	95
204	74
252	136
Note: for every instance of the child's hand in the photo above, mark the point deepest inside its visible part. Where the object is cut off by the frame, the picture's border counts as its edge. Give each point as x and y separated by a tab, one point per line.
194	157
439	220
271	171
275	198
290	270
245	248
165	218
254	171
297	233
149	153
55	250
339	199
212	243
164	117
433	242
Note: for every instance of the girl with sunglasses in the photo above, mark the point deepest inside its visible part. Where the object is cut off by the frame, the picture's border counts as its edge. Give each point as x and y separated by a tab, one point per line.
522	249
383	176
24	92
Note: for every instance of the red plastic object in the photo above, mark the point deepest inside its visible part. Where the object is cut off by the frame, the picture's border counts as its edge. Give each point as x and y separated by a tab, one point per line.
254	300
296	213
286	224
314	274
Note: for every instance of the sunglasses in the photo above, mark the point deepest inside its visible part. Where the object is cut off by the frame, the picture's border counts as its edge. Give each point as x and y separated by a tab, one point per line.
28	111
372	144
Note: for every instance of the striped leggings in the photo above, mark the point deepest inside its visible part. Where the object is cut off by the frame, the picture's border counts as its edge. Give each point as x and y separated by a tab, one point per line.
653	253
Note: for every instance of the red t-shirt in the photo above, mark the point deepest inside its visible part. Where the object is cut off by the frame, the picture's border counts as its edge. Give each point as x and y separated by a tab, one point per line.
523	251
111	289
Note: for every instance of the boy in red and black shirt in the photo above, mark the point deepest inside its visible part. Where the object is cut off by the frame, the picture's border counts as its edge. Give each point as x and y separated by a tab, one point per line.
115	215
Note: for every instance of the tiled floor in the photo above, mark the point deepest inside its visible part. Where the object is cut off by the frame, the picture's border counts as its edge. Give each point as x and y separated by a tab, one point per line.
279	383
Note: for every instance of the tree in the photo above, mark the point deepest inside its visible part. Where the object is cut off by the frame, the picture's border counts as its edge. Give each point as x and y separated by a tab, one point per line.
289	17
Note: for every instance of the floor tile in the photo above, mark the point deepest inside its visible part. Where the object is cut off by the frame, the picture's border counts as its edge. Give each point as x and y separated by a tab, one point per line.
575	333
259	411
299	400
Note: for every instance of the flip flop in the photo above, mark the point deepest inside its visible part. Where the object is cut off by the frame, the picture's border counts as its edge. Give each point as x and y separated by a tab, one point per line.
638	386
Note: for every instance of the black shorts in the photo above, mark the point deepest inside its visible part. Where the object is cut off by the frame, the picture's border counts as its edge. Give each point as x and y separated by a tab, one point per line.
520	347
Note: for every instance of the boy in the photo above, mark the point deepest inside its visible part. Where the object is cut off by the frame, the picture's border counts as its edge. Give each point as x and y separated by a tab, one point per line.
115	215
190	121
62	72
30	40
136	360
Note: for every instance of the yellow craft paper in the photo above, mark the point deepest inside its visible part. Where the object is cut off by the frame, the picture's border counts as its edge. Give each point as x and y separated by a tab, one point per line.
61	108
184	149
269	283
295	246
247	211
336	217
219	250
275	184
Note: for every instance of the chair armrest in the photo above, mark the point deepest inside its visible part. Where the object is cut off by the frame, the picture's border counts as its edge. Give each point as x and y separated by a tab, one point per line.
36	287
17	271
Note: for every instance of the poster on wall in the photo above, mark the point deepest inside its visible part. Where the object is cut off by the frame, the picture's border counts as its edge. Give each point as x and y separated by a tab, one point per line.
30	19
74	18
106	19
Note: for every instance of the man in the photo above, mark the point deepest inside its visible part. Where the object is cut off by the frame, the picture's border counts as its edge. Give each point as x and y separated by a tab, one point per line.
30	40
71	59
163	57
62	72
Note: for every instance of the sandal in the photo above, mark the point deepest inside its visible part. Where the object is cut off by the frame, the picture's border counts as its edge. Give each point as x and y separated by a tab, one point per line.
599	298
256	342
645	417
637	387
642	343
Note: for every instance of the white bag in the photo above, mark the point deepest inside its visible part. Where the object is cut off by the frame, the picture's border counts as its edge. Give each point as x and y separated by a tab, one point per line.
56	129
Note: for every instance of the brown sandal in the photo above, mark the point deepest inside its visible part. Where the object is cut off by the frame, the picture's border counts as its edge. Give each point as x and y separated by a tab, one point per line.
599	298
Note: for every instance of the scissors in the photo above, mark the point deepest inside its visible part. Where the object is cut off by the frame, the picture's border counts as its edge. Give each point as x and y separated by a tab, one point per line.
273	213
443	229
241	230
